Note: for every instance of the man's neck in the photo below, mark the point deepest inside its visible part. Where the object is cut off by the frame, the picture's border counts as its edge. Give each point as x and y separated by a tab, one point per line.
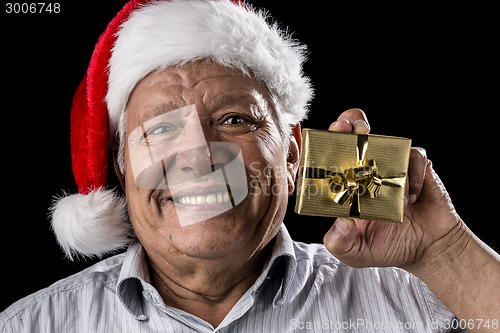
207	289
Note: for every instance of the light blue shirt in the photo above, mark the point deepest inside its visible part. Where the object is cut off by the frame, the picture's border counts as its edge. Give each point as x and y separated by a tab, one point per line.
302	288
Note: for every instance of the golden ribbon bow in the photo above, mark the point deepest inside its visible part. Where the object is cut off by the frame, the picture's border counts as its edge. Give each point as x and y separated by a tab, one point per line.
347	186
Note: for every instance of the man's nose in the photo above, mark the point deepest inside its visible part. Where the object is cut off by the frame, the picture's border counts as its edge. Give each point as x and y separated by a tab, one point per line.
197	161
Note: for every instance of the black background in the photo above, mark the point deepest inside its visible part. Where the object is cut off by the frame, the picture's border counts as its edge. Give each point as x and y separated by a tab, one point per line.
423	72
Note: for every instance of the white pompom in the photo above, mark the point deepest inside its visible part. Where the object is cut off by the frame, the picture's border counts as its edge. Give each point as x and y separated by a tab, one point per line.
91	225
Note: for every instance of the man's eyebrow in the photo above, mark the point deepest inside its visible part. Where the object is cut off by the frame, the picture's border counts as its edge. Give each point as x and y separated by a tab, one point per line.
226	98
157	110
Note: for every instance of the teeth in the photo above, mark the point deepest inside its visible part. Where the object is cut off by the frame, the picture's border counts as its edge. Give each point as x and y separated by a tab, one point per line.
211	199
204	199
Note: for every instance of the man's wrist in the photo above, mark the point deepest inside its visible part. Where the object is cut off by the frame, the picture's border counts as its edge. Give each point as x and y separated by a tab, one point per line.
464	273
444	255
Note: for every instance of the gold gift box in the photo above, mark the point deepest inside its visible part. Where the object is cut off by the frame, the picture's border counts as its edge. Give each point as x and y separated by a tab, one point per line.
352	175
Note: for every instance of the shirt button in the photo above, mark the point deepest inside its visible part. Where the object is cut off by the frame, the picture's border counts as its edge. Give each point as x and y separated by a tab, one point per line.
147	295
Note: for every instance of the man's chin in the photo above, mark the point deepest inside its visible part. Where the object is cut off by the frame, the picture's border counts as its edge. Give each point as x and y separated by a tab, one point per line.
207	232
209	239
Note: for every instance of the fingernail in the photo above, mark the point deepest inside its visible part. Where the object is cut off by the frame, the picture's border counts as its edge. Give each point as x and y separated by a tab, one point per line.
412	199
332	126
360	126
341	225
406	200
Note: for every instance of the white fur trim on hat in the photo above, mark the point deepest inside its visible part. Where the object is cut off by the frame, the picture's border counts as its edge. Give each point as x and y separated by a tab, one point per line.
167	33
102	224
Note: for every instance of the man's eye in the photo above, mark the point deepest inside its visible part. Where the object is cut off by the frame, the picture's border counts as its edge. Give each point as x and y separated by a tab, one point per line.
159	129
233	120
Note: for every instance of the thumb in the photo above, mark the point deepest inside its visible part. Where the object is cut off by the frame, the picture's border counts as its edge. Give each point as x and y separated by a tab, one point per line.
340	239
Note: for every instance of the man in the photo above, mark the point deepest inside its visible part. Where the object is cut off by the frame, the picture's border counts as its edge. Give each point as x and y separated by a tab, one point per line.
204	101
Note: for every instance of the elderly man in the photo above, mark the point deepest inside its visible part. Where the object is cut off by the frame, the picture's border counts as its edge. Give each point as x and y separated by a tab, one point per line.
201	102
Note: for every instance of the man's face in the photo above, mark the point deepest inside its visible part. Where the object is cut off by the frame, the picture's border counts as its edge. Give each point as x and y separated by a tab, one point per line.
206	171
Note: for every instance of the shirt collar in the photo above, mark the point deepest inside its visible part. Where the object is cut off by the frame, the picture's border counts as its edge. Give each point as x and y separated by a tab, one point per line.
283	253
134	273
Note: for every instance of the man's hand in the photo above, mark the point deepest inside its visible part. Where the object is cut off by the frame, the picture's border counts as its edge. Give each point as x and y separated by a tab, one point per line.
432	242
429	216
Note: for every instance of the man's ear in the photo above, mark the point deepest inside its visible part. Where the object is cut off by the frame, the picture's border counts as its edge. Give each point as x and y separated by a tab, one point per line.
121	177
293	158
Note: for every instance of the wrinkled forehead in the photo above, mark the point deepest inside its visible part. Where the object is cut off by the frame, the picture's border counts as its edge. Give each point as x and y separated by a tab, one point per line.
191	74
204	85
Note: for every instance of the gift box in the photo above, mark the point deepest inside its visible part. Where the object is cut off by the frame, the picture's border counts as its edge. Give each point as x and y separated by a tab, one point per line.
352	175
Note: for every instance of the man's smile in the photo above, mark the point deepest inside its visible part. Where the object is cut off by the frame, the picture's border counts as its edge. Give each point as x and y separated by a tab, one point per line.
203	197
213	198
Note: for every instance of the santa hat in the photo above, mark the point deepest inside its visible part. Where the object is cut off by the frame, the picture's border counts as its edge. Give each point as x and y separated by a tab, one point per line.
143	37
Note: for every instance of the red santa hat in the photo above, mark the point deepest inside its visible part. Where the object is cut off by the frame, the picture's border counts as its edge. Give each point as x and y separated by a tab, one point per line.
143	37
